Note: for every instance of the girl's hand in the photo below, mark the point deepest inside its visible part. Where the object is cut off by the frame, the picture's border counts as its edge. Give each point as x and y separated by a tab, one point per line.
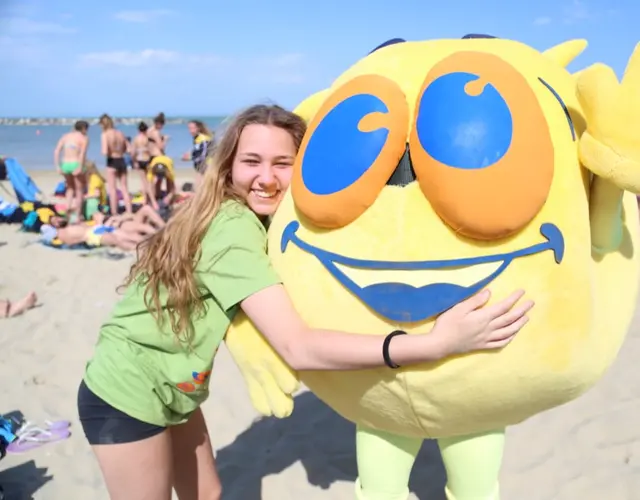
472	326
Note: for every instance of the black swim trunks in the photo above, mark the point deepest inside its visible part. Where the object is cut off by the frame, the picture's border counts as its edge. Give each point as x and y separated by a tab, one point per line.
118	164
141	164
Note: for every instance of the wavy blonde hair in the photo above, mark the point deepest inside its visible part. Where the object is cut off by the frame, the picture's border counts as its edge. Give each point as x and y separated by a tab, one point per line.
167	260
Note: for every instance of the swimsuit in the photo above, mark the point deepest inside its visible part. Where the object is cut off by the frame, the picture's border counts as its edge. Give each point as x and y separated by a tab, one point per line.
142	152
69	167
118	164
94	234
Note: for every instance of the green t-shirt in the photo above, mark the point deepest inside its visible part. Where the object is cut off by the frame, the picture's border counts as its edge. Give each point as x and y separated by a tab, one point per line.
149	375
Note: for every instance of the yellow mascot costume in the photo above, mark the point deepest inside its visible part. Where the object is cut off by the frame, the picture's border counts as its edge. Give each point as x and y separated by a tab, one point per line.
429	171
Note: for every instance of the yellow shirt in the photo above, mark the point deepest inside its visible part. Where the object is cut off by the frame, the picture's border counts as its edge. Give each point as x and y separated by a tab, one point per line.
161	160
97	184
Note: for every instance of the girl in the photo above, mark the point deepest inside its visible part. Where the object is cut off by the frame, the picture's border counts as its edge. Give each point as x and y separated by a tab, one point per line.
157	141
202	139
73	146
140	153
137	402
114	147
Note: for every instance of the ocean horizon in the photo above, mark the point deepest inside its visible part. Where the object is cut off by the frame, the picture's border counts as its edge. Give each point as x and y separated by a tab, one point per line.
33	144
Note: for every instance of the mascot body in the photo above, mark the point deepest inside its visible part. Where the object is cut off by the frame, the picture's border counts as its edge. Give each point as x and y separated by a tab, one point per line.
429	171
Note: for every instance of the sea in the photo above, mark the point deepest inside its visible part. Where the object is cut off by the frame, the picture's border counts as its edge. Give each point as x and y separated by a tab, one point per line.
33	145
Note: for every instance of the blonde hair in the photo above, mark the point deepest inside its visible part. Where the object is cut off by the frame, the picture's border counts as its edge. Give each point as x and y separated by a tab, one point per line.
167	260
90	168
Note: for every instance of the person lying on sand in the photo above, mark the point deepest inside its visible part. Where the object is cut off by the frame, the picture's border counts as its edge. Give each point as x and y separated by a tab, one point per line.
121	231
10	309
145	218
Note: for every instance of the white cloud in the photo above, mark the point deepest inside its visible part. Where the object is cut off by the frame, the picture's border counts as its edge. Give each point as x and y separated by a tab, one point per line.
24	26
142	16
21	50
576	12
542	21
146	57
284	69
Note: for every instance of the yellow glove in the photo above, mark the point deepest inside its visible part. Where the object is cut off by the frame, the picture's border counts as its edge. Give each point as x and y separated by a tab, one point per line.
610	147
271	382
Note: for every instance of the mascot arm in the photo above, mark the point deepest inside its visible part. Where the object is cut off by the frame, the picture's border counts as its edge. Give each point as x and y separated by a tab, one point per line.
610	146
271	382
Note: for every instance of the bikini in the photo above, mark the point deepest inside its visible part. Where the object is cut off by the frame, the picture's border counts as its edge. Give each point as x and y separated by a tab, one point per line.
69	167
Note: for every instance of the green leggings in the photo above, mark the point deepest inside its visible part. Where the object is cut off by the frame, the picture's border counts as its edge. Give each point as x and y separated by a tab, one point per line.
385	462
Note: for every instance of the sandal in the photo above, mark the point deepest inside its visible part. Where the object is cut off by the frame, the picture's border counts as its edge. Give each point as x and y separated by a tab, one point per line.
34	437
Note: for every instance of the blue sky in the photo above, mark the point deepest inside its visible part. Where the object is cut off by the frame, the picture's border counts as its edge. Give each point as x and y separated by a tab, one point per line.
72	57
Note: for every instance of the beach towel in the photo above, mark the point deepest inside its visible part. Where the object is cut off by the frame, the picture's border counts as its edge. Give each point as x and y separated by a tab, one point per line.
23	185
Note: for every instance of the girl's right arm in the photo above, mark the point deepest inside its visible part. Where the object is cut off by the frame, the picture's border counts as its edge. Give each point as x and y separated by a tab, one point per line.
466	327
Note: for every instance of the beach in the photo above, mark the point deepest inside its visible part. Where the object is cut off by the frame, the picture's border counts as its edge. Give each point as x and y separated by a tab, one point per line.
586	450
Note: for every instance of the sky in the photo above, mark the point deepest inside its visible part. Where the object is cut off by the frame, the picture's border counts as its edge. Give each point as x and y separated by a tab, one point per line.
136	58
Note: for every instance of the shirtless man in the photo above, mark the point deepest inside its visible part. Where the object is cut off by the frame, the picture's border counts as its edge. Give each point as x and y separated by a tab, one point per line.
73	146
157	141
114	147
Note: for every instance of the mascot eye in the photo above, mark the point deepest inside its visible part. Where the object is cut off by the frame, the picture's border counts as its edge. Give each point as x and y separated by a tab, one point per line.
351	148
462	130
481	146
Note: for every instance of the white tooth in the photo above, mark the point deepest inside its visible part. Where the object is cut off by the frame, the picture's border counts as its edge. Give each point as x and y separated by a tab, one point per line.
264	194
461	276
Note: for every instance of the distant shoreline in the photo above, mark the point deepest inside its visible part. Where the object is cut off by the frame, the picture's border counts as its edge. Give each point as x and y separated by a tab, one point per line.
43	122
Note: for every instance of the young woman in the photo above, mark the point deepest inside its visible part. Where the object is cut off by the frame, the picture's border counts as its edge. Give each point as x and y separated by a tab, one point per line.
157	141
202	139
72	150
137	402
114	147
140	153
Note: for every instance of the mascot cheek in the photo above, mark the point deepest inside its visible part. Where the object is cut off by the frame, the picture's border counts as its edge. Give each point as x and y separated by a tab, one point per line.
352	147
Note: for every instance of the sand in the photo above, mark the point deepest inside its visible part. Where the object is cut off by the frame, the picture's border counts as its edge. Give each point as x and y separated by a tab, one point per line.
586	450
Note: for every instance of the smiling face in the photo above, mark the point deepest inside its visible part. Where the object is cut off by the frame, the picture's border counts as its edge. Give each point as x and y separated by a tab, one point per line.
414	190
262	166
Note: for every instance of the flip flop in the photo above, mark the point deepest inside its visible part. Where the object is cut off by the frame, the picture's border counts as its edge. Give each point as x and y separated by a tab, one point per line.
49	425
35	438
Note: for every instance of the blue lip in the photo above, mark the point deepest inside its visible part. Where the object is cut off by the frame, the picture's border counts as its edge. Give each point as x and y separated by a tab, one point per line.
404	303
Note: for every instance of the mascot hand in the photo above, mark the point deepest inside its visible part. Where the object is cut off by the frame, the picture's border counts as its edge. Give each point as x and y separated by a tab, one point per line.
610	146
271	382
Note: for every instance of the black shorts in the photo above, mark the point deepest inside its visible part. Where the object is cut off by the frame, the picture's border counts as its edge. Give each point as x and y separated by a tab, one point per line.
103	424
118	164
141	164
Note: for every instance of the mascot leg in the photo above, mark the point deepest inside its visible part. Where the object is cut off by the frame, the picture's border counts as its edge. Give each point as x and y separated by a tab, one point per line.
384	464
473	465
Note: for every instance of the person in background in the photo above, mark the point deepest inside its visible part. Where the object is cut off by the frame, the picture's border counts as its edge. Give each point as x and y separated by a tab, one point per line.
96	196
141	157
114	147
157	141
202	141
161	174
69	157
